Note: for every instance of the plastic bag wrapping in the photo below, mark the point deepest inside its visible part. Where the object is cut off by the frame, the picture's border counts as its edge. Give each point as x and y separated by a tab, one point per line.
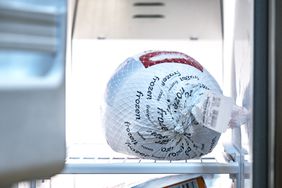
164	105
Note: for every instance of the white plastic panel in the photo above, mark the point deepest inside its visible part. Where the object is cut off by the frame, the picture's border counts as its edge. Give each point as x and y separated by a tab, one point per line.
32	44
145	19
93	63
32	89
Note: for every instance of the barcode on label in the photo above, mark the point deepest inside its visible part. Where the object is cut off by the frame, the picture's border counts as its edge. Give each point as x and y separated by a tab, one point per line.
216	101
214	116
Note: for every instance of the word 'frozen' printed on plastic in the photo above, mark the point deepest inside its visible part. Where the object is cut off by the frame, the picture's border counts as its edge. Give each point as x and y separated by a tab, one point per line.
165	106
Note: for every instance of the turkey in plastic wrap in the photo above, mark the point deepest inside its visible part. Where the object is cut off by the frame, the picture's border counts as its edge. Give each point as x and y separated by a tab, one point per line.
164	105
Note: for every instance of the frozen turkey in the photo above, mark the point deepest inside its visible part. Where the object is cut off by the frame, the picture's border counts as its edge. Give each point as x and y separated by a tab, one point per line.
164	105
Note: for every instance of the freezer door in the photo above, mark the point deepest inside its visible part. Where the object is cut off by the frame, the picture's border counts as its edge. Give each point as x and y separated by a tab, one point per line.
276	76
267	94
32	89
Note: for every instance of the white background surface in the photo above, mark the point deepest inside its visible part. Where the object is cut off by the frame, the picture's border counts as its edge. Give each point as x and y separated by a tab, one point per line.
93	63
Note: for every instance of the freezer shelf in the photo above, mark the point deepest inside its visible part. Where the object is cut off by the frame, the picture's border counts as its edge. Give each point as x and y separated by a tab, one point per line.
101	159
139	166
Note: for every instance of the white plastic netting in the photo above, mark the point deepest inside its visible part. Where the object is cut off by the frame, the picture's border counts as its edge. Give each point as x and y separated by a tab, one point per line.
152	107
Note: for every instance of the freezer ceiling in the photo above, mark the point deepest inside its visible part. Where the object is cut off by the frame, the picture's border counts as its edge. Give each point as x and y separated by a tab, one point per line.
146	19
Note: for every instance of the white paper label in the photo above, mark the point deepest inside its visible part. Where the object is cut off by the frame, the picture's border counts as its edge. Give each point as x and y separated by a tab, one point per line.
214	112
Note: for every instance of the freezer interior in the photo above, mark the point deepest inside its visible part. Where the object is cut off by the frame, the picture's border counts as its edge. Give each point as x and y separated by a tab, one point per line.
102	34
